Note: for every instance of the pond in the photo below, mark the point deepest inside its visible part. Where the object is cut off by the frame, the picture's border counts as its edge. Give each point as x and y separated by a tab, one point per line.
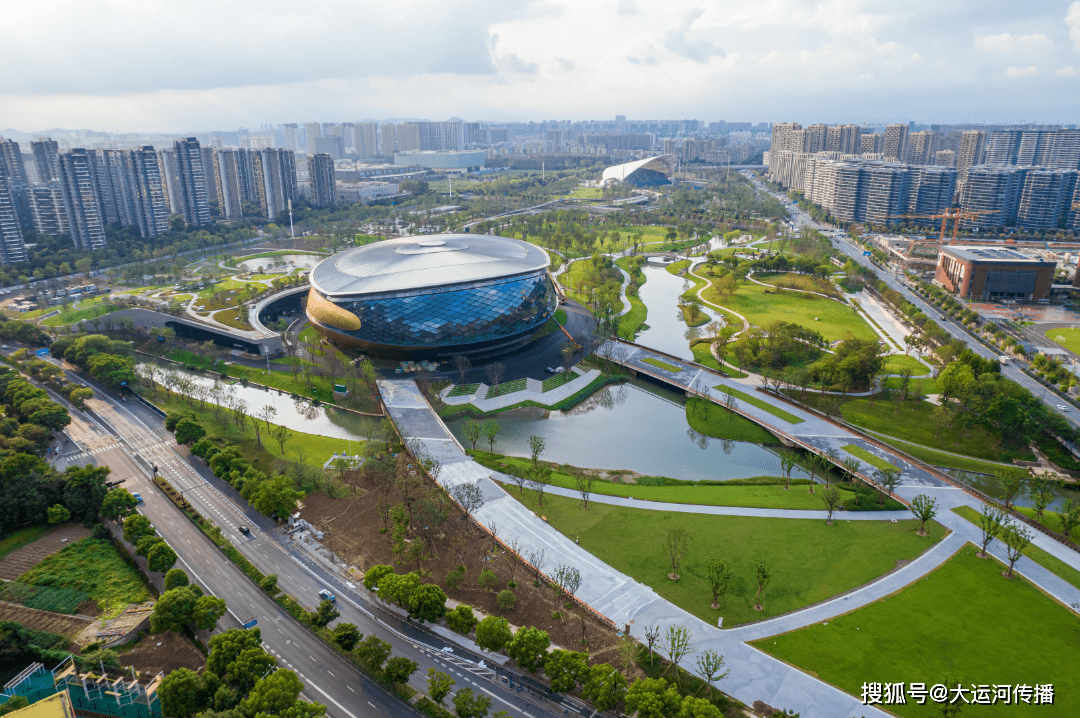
297	414
989	485
637	427
281	262
667	332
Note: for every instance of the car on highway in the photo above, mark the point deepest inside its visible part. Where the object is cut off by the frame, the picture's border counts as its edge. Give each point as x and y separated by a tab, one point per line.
327	596
138	498
244	530
1062	407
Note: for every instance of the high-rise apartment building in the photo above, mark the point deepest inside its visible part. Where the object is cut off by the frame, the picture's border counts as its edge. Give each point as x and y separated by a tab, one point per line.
292	136
208	164
972	151
312	130
845	139
896	142
323	185
921	147
194	205
994	190
407	136
388	143
1046	198
47	208
81	200
366	135
46	159
170	180
1001	147
872	143
333	145
945	158
152	206
439	136
12	166
227	182
12	246
1064	150
814	138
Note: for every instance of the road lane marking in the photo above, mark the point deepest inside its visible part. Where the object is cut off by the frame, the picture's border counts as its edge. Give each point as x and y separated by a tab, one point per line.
350	688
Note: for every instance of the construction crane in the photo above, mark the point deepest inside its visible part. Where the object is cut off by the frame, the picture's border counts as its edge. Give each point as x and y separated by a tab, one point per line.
955	214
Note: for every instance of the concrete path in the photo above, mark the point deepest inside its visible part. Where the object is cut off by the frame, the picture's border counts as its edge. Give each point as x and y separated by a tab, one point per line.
632	606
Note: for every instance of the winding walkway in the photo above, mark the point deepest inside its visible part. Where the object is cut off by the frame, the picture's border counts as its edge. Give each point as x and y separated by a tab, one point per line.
632	606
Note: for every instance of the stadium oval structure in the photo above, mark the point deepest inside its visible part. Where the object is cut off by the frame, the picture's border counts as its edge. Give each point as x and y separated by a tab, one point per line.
431	296
649	172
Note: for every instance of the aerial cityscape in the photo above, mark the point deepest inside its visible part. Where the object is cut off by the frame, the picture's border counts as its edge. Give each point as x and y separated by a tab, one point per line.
336	381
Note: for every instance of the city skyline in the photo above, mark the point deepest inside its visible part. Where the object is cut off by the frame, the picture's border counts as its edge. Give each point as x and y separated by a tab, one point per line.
830	62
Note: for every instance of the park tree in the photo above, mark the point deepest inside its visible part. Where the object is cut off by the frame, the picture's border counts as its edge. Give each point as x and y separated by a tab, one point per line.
831	498
427	603
1012	481
924	508
225	648
273	694
493	633
604	686
398	670
583	481
528	647
677	646
490	429
787	463
372	652
185	605
182	694
1069	515
461	619
84	492
137	527
161	558
653	698
1016	537
763	575
536	448
439	684
888	480
176	578
469	705
347	635
57	514
991	521
719	574
676	543
471	498
277	497
1041	493
188	431
710	666
472	432
118	504
565	669
325	613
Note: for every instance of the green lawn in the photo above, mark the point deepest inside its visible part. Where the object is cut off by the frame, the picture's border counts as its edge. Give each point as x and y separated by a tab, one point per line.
964	620
703	356
810	561
895	362
1068	338
464	390
577	272
560	315
714	420
631	322
832	319
662	364
21	537
317	449
940	458
915	423
760	403
309	334
869	458
1036	554
88	310
587	193
94	566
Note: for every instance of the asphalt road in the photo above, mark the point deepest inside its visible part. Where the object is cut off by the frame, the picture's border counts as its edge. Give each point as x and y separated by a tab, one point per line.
1010	371
130	438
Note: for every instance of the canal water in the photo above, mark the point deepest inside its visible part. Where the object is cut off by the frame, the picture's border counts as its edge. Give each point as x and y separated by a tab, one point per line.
667	331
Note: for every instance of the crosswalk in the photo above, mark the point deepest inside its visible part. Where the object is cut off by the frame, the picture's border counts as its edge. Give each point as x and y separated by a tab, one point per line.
77	457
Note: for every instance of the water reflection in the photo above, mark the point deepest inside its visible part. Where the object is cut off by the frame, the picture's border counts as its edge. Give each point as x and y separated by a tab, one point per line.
303	261
296	413
989	484
667	331
636	427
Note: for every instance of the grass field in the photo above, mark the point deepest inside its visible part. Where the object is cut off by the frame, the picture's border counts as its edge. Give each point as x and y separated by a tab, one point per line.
940	458
662	364
234	319
631	322
94	566
88	309
833	320
964	620
915	423
760	403
895	362
810	561
716	421
1069	338
1036	554
703	356
577	273
587	193
21	537
869	458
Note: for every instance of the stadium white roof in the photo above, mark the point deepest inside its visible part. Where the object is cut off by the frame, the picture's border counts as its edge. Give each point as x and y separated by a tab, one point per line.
660	163
396	265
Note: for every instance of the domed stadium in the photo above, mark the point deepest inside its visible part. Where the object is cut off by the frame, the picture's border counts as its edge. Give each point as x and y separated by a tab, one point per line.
422	297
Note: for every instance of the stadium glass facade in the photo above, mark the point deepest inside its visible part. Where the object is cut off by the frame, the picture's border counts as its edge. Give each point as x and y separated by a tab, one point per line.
463	318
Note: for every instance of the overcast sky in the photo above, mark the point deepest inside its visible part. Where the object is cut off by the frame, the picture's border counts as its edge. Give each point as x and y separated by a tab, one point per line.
133	65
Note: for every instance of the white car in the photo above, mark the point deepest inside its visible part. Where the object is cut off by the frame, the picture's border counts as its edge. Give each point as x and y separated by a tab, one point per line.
1062	407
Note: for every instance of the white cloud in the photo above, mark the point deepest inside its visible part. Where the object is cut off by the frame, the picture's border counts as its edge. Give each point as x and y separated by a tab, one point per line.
685	41
1020	71
1072	19
1068	71
1035	43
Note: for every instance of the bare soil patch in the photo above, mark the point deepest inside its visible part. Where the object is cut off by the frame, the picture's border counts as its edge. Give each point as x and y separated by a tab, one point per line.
356	524
167	651
22	560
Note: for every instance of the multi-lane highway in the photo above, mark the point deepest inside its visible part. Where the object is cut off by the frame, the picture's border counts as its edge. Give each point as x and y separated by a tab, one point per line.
131	439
